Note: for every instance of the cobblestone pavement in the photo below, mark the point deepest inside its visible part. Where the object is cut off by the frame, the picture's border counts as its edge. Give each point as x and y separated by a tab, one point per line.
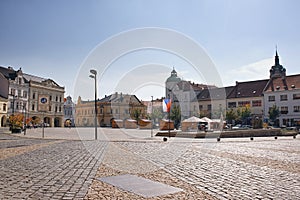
265	169
53	170
33	168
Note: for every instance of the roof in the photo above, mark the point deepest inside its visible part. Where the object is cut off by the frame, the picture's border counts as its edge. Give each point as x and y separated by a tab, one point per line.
248	89
193	119
8	72
29	77
173	77
117	98
214	93
278	84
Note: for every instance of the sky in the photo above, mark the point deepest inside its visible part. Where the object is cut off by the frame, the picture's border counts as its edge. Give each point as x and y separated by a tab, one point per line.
135	44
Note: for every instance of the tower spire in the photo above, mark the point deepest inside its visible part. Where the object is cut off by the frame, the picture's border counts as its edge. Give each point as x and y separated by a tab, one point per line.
276	58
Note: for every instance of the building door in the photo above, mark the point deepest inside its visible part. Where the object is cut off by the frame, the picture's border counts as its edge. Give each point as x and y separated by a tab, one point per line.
57	122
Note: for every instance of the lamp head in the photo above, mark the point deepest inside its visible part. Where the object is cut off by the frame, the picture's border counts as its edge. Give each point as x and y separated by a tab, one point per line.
93	71
92	76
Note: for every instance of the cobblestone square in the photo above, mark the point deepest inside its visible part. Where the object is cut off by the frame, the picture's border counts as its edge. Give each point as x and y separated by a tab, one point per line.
69	168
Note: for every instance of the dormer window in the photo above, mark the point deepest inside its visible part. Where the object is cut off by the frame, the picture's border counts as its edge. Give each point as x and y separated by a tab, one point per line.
293	86
277	87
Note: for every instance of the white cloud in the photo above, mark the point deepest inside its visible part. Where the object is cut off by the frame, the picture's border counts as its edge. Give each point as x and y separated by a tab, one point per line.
251	72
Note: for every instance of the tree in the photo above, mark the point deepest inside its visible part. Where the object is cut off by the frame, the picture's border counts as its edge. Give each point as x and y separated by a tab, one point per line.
16	123
135	114
157	114
244	113
274	113
231	116
175	115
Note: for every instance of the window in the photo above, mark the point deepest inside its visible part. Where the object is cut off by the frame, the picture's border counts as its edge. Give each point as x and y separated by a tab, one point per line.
12	92
59	99
209	107
284	109
50	98
33	95
283	97
25	94
32	107
200	107
20	81
243	103
296	96
296	108
231	104
256	103
19	93
4	107
271	98
56	99
50	108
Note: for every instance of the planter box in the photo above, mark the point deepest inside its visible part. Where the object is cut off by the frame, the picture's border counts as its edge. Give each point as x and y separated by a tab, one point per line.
16	130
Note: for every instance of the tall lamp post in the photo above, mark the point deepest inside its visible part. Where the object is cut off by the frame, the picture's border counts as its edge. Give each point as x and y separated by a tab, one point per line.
94	76
151	116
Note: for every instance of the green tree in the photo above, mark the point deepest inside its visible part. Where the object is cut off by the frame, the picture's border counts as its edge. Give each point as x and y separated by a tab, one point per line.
175	115
135	114
157	114
231	116
274	113
244	113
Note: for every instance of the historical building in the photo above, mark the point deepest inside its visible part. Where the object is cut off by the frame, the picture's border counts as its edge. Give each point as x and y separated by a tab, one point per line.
183	94
249	93
284	92
18	89
3	100
211	102
259	95
69	112
35	97
117	106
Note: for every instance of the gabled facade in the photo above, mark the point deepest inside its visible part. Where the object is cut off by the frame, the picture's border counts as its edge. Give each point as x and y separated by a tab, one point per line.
69	112
116	106
18	90
284	92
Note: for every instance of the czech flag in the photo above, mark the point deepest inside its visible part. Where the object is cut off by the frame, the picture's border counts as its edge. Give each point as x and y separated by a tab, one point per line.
167	105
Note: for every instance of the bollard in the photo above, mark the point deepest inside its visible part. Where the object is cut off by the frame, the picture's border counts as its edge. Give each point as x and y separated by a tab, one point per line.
218	139
165	139
275	137
251	138
294	136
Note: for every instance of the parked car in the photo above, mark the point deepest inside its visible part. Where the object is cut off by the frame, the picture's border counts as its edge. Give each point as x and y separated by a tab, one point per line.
238	126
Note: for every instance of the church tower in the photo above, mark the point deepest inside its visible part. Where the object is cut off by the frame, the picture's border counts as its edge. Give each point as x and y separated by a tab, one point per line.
277	72
171	84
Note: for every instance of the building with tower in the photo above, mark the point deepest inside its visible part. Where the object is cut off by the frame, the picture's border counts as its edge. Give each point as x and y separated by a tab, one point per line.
283	92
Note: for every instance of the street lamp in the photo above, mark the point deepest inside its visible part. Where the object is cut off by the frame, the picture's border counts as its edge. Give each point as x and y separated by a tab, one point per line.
94	76
151	116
